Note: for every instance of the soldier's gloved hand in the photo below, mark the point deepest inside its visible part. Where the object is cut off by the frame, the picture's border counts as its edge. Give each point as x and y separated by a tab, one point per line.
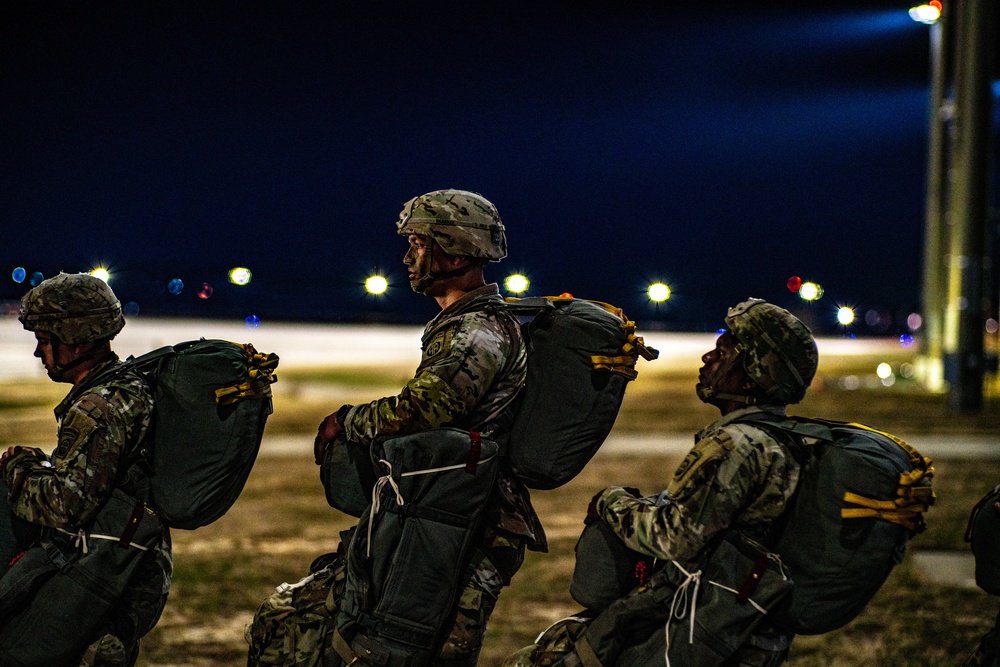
592	515
329	429
7	454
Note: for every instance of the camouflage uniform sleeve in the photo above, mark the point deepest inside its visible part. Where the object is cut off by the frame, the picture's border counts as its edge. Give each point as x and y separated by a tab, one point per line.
67	490
734	476
457	369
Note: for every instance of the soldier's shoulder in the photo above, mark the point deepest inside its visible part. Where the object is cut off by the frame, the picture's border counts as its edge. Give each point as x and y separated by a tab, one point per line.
126	392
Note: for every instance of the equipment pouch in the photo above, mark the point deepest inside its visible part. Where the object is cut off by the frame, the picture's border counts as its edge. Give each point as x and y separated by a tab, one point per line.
690	617
408	554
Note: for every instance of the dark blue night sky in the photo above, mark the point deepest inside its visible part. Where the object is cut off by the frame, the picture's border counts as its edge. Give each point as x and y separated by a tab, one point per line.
718	149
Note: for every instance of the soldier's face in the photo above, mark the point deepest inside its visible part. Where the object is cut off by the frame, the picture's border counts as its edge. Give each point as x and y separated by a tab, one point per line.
45	350
418	259
719	368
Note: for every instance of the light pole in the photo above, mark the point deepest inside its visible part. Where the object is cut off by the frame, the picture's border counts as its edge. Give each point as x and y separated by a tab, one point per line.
935	239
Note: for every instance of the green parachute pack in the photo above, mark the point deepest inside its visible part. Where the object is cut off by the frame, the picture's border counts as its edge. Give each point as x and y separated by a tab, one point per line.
581	356
861	496
211	399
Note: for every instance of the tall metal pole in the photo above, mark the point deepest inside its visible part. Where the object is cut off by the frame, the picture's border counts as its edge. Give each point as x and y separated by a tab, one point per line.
966	305
935	238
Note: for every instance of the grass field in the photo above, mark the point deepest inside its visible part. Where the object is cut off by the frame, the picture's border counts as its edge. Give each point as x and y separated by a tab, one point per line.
282	522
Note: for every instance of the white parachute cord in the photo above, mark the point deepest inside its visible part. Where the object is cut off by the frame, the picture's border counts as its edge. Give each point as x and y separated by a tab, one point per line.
380	484
679	605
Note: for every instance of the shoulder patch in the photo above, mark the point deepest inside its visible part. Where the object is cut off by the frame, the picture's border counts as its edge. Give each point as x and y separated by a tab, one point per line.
705	451
438	346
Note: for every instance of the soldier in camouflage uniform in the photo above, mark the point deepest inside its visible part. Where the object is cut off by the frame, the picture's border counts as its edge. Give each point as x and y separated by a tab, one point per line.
473	364
737	475
93	568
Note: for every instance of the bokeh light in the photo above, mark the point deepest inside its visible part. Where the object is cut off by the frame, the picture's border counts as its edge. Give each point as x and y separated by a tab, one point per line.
906	340
101	272
205	291
810	291
516	283
884	370
928	13
658	292
175	286
794	284
376	284
253	322
19	274
914	321
845	315
240	275
992	326
130	309
36	278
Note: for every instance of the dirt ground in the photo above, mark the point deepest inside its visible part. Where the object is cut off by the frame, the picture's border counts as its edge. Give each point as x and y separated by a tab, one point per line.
282	522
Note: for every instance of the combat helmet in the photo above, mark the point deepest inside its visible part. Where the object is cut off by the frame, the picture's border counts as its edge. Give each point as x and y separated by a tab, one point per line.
74	307
463	223
778	351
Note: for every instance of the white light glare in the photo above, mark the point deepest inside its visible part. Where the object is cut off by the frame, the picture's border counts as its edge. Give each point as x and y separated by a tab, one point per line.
101	272
376	285
658	292
240	275
927	14
845	315
884	370
516	283
810	291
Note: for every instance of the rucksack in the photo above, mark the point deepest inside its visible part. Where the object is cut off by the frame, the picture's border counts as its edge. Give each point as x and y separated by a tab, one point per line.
211	400
861	496
581	356
983	534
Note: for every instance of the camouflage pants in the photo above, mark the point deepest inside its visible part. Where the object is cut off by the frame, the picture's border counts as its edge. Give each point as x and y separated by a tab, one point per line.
491	568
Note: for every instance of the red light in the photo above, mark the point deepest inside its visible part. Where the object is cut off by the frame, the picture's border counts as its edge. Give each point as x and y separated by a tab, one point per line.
936	4
565	295
794	284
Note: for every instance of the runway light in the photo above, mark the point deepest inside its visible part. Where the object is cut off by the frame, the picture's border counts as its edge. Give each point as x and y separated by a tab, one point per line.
810	291
516	283
36	278
175	286
19	274
101	272
658	292
927	14
376	285
845	315
794	284
240	275
253	322
206	291
884	370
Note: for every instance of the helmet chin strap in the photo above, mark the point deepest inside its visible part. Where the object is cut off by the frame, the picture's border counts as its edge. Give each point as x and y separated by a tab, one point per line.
429	278
708	391
60	368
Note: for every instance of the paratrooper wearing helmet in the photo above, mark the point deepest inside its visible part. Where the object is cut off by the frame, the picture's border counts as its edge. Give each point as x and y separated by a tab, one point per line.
738	475
457	223
473	365
91	486
78	313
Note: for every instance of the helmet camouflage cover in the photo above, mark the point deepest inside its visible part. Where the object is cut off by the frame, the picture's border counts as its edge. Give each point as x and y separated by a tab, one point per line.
74	307
779	352
463	223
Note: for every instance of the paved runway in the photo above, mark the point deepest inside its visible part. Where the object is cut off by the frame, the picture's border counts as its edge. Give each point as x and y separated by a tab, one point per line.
325	345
